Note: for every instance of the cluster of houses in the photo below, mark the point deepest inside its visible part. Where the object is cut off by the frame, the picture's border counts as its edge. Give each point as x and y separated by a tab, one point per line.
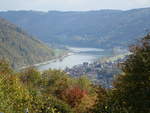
100	72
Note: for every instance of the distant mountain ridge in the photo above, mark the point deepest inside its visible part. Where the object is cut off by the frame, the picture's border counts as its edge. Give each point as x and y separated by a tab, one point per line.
104	28
20	48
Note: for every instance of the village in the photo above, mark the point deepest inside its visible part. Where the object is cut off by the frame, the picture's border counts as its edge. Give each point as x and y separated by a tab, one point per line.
101	72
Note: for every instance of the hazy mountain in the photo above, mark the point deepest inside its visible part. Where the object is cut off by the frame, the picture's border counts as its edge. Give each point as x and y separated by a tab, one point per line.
104	28
20	48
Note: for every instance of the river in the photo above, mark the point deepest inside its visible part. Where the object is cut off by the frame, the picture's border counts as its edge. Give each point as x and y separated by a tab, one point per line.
76	56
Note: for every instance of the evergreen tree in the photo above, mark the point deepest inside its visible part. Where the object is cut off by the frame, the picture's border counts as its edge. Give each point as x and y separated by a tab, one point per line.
131	93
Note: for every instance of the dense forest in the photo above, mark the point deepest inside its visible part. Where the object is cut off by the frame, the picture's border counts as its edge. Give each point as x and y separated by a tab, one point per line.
101	28
54	91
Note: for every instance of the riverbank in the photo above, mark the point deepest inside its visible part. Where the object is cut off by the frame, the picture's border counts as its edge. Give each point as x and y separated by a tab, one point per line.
65	54
76	56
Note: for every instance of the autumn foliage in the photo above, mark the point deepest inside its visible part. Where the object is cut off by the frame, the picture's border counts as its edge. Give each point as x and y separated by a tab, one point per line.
53	91
73	96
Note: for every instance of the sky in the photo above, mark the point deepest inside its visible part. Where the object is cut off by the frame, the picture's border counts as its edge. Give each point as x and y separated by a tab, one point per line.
72	5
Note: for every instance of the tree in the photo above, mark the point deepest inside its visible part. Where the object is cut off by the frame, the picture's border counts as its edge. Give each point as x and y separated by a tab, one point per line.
30	77
131	93
13	95
54	82
5	67
73	96
101	99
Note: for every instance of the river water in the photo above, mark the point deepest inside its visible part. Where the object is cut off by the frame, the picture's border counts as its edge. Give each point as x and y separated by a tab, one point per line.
76	56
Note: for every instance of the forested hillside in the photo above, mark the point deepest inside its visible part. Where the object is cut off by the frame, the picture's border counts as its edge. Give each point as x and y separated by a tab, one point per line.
104	28
20	48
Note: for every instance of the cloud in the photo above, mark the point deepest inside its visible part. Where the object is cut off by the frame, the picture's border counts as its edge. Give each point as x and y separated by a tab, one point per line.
144	2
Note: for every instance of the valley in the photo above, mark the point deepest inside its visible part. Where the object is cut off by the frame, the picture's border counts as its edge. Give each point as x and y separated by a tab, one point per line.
95	61
99	65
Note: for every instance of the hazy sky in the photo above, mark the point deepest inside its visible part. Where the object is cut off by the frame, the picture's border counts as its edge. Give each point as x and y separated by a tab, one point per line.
69	5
